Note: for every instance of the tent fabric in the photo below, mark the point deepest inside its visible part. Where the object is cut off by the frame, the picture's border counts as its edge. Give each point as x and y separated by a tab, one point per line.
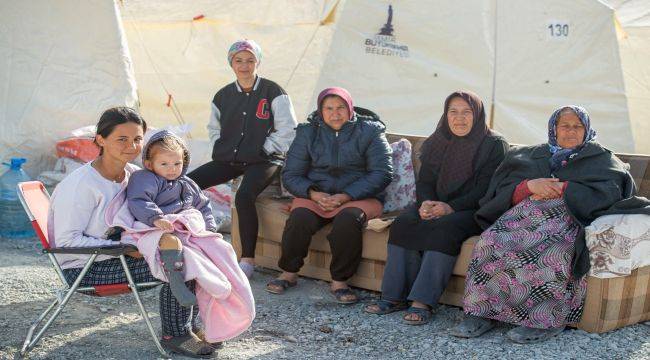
259	12
631	13
523	57
555	53
634	47
406	76
61	64
174	54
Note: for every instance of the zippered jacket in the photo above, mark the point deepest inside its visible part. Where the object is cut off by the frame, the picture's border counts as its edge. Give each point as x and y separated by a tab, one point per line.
151	196
356	160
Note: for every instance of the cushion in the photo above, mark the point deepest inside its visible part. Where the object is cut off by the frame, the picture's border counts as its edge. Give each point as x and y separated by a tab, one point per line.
618	244
400	193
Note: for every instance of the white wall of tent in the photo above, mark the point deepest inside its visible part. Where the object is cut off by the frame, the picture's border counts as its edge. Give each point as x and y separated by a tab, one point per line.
62	63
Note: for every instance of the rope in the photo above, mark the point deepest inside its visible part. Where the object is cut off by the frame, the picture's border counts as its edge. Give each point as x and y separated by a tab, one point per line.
304	52
171	103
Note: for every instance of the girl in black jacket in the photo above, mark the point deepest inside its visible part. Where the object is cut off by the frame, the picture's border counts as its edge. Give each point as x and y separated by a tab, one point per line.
251	127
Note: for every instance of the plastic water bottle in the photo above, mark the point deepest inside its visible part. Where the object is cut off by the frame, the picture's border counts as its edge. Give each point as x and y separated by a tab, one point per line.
14	222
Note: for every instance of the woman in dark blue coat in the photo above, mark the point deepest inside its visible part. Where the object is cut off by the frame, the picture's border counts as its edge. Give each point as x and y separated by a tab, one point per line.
337	167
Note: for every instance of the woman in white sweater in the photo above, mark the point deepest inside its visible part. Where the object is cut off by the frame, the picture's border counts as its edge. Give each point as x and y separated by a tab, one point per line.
76	219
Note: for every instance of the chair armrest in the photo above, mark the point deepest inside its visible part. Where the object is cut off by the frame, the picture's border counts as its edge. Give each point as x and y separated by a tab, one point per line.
112	250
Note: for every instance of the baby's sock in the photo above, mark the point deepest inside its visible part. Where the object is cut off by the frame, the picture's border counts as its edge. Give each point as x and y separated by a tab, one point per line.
247	268
173	265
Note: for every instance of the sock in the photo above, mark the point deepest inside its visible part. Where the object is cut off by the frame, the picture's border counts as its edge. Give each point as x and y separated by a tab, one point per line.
247	268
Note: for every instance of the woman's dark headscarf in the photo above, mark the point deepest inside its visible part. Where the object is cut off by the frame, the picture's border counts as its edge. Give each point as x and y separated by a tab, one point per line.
453	156
560	155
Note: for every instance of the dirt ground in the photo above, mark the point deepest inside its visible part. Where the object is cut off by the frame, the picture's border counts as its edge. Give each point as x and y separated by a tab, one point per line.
302	324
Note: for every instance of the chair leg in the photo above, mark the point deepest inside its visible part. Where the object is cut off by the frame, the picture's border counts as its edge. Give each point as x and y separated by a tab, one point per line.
143	311
30	332
29	344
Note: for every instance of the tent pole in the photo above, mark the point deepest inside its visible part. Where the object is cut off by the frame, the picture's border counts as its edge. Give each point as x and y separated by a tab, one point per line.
491	122
494	66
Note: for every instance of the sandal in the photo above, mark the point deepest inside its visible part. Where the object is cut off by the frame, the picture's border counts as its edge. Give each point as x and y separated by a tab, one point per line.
385	307
339	294
187	345
279	286
473	326
527	335
200	334
424	315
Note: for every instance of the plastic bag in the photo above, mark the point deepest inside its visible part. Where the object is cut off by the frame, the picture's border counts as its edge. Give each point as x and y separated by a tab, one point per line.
220	199
77	148
62	168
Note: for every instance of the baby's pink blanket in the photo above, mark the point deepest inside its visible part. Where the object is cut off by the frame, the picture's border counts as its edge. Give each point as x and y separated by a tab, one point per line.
223	293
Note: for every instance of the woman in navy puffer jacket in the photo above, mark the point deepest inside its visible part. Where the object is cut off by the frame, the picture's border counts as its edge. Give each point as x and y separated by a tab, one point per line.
337	167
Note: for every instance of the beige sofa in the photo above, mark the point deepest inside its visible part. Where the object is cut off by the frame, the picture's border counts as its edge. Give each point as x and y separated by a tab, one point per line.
610	303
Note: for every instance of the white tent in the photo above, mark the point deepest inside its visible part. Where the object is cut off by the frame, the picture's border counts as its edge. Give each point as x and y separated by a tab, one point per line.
180	49
62	64
524	58
634	45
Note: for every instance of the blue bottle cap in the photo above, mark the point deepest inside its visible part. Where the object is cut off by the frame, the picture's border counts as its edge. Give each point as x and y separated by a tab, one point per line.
16	163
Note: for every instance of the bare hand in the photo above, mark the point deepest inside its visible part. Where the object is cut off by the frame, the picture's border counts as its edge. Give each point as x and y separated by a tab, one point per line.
425	210
317	197
434	209
334	201
442	209
545	188
163	224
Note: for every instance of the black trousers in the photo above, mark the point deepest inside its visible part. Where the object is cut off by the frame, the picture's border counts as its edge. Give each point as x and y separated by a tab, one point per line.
256	178
344	239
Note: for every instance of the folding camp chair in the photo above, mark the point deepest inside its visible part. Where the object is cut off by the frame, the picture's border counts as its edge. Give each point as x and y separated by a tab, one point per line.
36	202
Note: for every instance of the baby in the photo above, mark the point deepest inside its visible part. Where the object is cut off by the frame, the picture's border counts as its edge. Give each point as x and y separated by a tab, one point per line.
163	188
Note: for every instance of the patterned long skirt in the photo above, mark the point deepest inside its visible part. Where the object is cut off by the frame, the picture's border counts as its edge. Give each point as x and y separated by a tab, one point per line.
520	272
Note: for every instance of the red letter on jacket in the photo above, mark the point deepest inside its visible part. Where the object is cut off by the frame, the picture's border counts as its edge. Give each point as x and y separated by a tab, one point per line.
262	110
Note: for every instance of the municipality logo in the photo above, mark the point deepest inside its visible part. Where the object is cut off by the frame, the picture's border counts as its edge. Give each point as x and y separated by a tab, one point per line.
384	43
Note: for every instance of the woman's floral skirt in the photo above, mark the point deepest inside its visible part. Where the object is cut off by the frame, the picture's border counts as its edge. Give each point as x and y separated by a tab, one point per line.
520	272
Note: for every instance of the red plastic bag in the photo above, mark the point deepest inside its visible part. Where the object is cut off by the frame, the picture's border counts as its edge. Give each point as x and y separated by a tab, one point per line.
78	148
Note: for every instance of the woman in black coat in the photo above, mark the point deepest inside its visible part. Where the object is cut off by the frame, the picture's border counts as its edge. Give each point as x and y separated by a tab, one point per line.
529	267
458	160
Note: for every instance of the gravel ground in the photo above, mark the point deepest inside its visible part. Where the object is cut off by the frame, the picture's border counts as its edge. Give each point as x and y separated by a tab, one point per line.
302	324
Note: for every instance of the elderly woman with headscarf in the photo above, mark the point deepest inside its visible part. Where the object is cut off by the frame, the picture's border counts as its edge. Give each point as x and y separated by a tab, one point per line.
251	128
529	266
458	160
336	167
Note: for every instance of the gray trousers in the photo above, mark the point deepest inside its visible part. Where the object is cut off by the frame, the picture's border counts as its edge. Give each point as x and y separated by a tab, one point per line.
416	275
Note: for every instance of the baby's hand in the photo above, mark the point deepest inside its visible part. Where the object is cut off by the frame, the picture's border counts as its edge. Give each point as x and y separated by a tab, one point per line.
163	224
